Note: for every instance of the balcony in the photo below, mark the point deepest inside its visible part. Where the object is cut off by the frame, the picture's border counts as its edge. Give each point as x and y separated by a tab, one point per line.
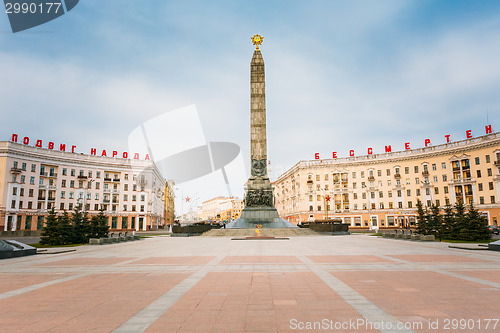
107	179
116	179
425	173
52	199
397	175
497	163
52	175
82	177
15	170
106	201
371	178
41	198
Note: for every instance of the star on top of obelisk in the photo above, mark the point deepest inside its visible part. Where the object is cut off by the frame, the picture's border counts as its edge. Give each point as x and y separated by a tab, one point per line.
257	40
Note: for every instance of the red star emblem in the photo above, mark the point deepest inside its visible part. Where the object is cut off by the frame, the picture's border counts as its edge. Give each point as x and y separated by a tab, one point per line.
187	199
327	198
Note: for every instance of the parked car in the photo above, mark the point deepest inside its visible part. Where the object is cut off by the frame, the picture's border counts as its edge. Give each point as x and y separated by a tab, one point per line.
494	229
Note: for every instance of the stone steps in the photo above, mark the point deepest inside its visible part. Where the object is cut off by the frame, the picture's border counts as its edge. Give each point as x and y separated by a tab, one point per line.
289	232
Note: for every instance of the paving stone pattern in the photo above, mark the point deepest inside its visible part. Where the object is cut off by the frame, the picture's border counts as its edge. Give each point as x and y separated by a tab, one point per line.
217	284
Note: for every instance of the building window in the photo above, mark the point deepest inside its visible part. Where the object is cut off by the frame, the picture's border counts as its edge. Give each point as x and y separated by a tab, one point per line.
408	193
363	195
381	205
362	174
97	186
380	194
407	170
478	172
63	193
434	167
89	185
417	180
114	222
388	172
96	206
125	187
71	194
355	196
490	185
487	158
417	192
133	208
443	165
33	167
492	199
72	172
489	173
317	177
98	174
72	184
416	168
90	174
481	200
319	208
80	184
372	195
427	191
354	174
436	190
445	178
399	193
480	186
400	204
379	173
445	189
477	160
435	179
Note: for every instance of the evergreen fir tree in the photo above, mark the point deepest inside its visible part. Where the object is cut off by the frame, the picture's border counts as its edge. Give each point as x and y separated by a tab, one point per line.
435	222
478	225
80	226
422	219
50	234
102	222
66	230
448	223
460	229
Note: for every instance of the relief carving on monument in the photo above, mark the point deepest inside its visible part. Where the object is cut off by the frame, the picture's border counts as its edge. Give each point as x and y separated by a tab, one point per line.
259	168
259	198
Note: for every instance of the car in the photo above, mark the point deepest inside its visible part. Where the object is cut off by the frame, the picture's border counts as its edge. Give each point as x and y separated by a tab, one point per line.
494	229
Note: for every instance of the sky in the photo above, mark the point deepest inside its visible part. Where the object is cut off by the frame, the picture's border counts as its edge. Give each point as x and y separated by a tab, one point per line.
340	75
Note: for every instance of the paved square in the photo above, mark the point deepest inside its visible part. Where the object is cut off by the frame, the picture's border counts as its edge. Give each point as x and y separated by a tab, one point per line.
353	283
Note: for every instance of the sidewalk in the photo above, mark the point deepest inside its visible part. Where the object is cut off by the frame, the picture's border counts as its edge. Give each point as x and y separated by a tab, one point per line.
355	283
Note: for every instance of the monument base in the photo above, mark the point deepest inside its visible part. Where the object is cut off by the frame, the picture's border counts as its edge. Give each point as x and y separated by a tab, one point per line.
265	216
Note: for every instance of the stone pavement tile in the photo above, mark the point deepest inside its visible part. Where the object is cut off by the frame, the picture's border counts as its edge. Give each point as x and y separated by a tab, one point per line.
260	260
334	259
424	295
95	302
86	262
187	260
269	301
9	282
493	275
436	258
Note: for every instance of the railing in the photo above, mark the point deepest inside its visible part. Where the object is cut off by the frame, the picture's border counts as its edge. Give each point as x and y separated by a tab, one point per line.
15	170
82	177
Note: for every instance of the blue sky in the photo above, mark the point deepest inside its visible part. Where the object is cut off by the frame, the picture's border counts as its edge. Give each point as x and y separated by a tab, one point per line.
340	75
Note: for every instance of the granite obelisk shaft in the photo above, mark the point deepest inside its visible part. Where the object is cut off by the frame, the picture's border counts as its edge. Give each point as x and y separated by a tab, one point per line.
258	143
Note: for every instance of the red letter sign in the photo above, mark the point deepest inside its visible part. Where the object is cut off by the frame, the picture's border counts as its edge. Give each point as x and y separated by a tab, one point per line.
407	145
427	142
447	138
488	129
469	134
316	156
334	154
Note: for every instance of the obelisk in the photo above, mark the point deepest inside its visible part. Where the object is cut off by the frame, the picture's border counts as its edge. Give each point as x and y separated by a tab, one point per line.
259	200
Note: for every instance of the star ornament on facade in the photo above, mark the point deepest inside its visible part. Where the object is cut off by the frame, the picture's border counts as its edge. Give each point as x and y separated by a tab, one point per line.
328	198
257	40
187	199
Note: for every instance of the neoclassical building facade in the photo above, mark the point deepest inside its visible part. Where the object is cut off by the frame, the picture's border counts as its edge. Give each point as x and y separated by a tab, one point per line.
382	190
34	180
